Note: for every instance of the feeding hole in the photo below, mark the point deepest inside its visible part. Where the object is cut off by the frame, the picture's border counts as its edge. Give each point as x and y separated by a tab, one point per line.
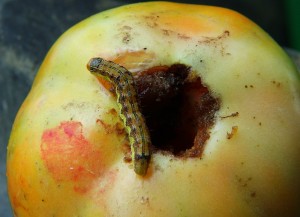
179	110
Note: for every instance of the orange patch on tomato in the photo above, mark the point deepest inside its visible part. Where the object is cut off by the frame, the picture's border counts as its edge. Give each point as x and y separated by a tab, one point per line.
69	156
135	61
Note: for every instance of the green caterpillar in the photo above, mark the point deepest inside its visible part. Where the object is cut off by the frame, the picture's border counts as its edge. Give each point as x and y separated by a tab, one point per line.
133	119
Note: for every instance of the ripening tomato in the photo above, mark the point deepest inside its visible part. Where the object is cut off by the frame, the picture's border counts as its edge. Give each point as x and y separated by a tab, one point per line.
220	99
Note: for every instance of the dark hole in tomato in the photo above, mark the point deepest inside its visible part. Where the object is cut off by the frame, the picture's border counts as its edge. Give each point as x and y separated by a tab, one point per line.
179	110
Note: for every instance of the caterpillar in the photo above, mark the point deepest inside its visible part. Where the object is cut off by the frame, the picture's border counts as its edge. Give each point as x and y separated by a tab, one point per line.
130	114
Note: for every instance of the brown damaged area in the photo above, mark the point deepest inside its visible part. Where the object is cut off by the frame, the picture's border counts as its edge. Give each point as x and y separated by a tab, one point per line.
179	111
217	42
235	114
109	129
117	128
154	21
233	132
211	40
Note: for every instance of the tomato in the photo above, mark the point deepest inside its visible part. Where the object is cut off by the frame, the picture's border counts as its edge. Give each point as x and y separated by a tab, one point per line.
69	152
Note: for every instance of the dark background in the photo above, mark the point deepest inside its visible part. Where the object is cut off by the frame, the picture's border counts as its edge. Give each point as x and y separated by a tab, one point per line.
28	28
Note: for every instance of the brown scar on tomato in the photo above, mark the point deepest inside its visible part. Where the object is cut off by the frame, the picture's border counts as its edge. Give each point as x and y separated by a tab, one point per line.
235	114
216	42
278	84
118	127
210	40
151	20
183	36
233	132
69	156
109	128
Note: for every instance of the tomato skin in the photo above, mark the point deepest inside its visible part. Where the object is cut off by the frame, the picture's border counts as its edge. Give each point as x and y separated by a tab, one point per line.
65	154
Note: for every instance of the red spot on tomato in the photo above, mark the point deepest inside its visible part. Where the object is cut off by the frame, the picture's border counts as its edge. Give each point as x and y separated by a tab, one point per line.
69	156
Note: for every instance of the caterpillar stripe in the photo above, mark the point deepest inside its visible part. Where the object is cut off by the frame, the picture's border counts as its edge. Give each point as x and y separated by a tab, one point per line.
133	119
